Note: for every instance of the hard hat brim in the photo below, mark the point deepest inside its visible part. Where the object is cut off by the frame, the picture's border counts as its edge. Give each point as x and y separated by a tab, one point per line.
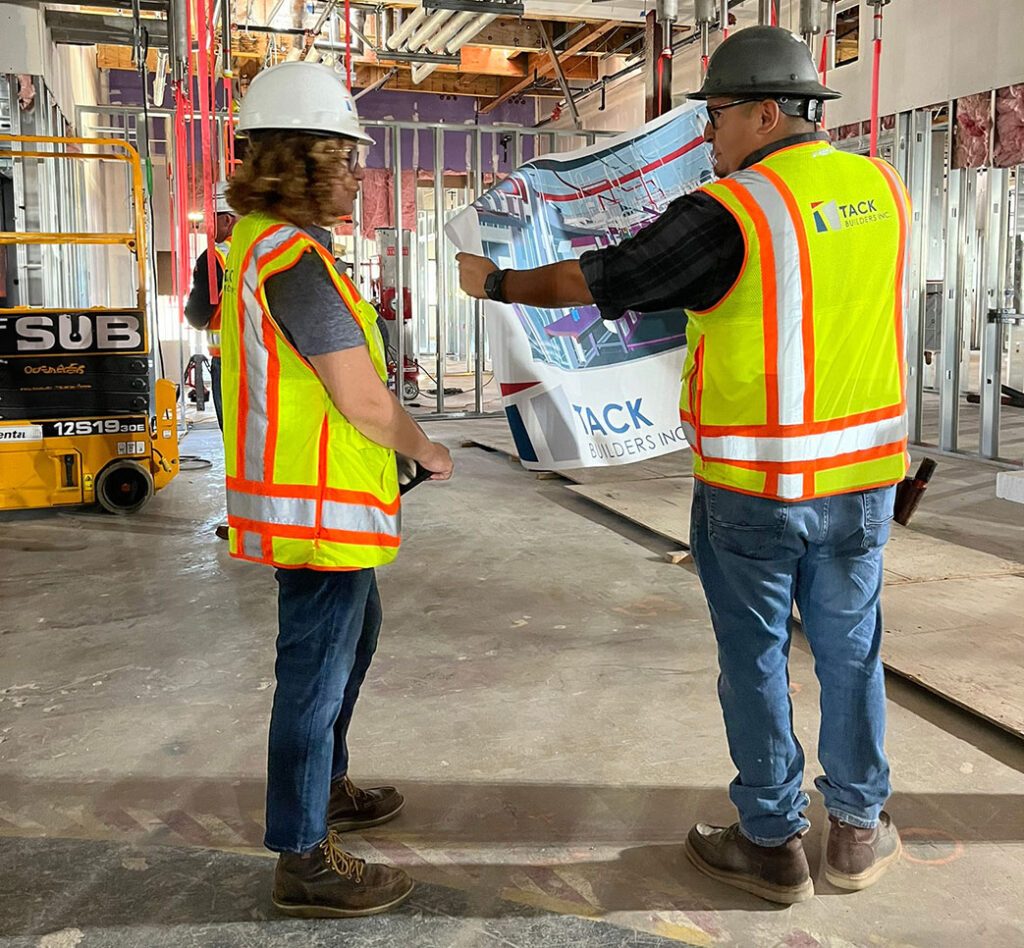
360	137
806	90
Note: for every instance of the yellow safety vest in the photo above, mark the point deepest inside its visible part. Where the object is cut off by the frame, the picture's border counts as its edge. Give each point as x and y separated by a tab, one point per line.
794	384
220	251
304	487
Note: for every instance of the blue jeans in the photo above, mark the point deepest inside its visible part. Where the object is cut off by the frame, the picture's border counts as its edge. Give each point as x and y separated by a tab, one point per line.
218	402
755	558
328	623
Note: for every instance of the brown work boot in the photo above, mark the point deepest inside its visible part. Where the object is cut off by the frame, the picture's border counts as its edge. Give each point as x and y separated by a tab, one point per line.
776	873
351	808
328	882
222	531
856	858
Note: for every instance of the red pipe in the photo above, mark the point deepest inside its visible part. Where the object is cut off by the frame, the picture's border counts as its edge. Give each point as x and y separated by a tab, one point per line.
875	73
348	45
665	54
203	15
181	192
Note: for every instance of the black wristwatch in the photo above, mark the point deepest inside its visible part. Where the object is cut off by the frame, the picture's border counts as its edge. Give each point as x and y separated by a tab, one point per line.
493	286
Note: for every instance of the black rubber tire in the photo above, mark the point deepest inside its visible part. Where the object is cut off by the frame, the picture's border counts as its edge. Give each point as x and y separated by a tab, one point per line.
124	487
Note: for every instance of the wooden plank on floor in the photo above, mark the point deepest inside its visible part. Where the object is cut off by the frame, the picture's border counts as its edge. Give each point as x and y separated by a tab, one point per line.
964	640
662	504
915	557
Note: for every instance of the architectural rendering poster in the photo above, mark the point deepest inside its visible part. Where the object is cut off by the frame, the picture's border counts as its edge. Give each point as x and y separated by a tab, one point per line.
580	391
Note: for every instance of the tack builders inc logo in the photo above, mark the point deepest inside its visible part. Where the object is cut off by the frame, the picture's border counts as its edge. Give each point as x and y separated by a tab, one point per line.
831	216
826	216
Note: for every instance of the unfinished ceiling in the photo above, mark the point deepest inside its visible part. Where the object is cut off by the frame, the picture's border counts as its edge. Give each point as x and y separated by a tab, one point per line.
493	51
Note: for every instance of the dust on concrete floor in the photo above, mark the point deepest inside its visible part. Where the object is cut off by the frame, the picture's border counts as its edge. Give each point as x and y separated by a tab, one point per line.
544	692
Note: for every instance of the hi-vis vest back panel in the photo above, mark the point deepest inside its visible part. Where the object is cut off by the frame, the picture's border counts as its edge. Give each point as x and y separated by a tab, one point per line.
220	251
794	384
304	487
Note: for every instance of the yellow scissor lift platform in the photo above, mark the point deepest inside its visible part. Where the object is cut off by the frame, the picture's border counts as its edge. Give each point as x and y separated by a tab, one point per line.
80	422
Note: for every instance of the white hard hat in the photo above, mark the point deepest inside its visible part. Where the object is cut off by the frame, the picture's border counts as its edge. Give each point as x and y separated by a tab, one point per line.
220	203
306	97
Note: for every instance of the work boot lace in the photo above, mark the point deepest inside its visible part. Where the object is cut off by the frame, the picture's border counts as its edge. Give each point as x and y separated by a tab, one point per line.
357	795
343	863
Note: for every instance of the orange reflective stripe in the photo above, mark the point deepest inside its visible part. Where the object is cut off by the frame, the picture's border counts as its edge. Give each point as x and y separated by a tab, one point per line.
746	253
807	286
769	294
270	337
809	494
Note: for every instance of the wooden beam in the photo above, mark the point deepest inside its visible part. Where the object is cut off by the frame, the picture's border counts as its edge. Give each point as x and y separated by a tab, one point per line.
509	33
444	83
490	62
120	57
541	65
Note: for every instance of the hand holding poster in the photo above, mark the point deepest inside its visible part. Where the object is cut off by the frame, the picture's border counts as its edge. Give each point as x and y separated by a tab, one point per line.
579	390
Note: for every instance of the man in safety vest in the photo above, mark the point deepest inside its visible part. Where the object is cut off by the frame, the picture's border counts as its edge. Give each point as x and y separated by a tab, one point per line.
790	268
200	311
311	433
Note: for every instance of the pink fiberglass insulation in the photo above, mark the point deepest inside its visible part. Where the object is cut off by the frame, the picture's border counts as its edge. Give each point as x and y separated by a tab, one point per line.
1009	148
973	124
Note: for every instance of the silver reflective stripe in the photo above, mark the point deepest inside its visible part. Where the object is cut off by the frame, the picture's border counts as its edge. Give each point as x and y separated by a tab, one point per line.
257	358
358	517
791	486
789	295
252	544
288	510
828	444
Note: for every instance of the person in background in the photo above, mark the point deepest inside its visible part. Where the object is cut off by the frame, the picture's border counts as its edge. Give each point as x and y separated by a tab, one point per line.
201	312
311	435
791	270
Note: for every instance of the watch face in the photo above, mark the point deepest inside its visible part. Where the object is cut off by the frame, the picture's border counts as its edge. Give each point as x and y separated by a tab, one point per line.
492	285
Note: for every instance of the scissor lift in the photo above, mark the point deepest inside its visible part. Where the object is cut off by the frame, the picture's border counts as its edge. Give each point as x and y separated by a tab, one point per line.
82	420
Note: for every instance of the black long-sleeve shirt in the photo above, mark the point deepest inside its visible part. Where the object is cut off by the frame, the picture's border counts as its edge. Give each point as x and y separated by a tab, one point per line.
198	307
688	258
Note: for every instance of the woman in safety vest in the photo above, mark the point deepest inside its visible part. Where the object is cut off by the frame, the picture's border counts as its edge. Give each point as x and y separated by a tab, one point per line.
311	433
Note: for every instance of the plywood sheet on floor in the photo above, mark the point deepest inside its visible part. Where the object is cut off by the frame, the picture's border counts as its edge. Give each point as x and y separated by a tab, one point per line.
963	639
663	506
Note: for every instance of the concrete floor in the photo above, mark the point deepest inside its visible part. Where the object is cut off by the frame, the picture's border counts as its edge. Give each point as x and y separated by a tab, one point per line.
544	693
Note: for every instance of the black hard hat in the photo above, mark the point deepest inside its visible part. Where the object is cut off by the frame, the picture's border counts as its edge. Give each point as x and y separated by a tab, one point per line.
763	60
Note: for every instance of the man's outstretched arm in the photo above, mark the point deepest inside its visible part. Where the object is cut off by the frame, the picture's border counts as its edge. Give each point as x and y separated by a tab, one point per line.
555	286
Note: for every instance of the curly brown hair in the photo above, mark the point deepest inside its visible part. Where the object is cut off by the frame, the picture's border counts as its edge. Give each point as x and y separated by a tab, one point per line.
291	175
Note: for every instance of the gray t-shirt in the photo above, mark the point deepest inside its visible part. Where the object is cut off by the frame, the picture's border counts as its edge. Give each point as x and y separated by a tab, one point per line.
306	305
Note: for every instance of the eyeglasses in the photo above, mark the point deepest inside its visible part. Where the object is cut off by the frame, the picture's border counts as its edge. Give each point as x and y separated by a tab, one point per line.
353	155
713	116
